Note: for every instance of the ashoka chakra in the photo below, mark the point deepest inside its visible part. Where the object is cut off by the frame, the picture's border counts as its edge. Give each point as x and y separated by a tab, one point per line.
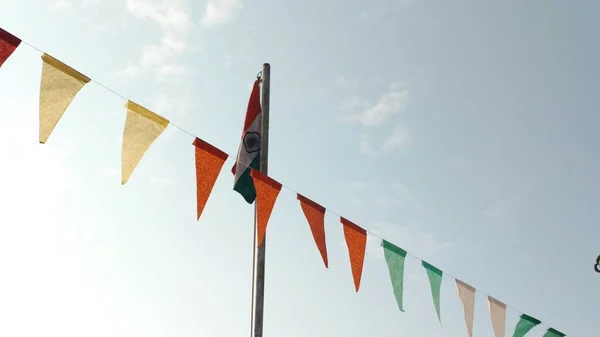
252	142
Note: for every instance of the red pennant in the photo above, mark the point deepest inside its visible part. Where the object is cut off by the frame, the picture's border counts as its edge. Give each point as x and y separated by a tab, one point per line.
315	215
267	191
356	240
209	162
8	44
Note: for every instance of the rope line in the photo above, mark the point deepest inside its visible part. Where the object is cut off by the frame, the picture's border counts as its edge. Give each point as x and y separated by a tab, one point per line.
296	192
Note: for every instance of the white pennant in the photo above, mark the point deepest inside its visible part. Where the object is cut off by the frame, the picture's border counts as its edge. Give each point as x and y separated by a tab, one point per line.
467	297
498	315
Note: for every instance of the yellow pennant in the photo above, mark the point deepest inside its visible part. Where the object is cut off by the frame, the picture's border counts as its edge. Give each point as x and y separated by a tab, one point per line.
60	84
142	127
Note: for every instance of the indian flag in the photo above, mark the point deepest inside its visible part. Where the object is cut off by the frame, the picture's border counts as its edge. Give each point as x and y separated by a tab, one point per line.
249	151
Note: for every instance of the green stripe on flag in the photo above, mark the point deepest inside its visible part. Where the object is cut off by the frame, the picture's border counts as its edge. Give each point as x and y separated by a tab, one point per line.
394	257
245	185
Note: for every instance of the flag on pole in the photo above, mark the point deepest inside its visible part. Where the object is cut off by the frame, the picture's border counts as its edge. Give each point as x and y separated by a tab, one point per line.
248	156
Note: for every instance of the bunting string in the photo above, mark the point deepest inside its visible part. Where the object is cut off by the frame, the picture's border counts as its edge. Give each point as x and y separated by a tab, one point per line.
355	235
113	92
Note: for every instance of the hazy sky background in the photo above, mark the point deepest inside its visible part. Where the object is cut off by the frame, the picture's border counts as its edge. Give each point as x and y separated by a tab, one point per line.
463	131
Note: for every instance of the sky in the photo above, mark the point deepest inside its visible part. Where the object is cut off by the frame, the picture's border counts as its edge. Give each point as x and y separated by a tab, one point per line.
464	132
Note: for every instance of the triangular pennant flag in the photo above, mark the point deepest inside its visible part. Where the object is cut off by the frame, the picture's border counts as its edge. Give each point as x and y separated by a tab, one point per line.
498	316
356	241
8	44
525	324
554	333
60	84
467	297
142	127
435	282
267	191
394	257
209	162
315	215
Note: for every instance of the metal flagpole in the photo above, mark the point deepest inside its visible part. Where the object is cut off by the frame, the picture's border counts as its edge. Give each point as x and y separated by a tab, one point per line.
259	263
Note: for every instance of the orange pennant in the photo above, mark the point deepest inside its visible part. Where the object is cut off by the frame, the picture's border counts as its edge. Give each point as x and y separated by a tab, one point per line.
209	162
356	240
267	191
315	215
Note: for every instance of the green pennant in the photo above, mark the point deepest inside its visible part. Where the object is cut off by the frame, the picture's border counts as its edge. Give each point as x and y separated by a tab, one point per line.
554	333
394	257
435	281
525	324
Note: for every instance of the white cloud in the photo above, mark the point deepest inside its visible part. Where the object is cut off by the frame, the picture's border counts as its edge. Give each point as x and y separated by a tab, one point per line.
356	110
409	238
388	104
398	140
62	4
378	11
398	195
31	168
357	202
109	171
161	181
175	22
503	209
401	190
46	266
358	190
100	15
318	91
350	105
169	105
347	83
171	15
147	173
219	12
227	59
496	212
391	195
361	184
365	146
